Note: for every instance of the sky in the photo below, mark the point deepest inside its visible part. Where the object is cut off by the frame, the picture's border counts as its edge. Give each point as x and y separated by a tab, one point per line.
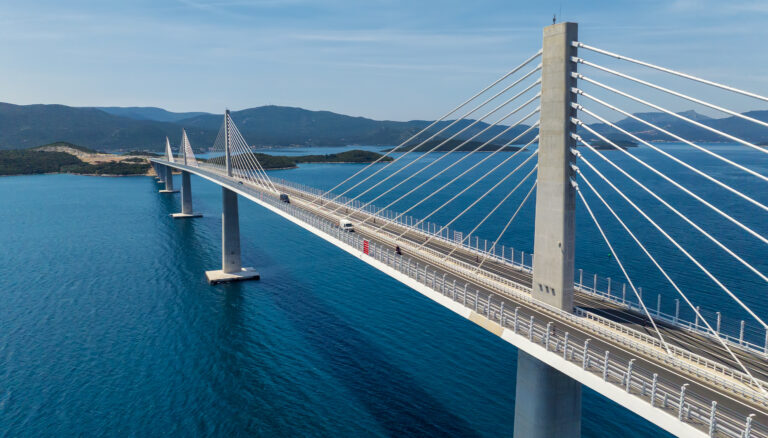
384	59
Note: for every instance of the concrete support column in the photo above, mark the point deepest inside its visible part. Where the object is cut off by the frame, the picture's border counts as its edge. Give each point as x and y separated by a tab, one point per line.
168	178
553	248
231	266
547	402
159	172
186	198
230	232
186	193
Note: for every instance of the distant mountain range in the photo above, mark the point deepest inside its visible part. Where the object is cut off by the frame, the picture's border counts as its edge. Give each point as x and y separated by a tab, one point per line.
148	113
131	128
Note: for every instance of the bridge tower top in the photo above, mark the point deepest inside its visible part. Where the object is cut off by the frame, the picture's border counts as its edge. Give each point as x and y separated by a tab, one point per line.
553	264
227	143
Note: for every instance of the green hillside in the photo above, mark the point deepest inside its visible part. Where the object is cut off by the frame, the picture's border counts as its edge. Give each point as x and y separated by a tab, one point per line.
28	162
114	129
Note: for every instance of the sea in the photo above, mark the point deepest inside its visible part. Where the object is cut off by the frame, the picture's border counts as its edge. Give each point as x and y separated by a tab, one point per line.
109	328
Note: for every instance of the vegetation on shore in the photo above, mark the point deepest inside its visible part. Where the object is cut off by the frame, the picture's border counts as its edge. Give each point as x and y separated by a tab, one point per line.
42	159
112	168
64	145
602	144
287	162
28	161
142	154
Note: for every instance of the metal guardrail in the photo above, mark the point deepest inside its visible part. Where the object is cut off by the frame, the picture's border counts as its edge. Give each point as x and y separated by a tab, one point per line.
608	294
692	406
507	256
676	320
496	282
504	285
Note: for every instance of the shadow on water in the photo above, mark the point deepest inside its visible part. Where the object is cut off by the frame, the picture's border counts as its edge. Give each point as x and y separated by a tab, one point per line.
390	394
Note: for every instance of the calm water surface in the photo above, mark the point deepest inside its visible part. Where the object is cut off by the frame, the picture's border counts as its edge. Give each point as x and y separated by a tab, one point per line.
108	328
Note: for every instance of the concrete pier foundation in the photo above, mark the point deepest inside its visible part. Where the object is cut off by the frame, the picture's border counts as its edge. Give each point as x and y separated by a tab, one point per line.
231	266
547	402
186	198
168	178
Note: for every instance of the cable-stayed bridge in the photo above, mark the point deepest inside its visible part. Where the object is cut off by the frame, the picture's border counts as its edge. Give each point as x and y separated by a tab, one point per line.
543	131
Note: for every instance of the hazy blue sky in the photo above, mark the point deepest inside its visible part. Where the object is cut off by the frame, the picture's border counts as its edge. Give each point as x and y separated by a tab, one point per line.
380	58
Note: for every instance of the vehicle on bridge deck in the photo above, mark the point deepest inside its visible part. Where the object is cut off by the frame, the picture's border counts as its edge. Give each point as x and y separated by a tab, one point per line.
346	225
284	198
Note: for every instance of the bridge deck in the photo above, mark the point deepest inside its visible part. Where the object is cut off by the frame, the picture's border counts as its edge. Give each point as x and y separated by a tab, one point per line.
502	283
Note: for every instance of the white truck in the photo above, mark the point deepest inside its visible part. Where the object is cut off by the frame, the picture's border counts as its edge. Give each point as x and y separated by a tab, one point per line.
346	225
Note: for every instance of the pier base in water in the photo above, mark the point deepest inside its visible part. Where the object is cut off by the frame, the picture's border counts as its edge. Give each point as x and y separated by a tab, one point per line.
219	276
186	199
231	268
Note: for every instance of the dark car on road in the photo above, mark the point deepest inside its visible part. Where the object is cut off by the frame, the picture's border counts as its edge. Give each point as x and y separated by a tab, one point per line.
284	198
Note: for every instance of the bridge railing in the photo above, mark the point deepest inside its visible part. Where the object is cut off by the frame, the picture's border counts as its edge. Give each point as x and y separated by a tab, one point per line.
736	334
614	367
694	364
483	247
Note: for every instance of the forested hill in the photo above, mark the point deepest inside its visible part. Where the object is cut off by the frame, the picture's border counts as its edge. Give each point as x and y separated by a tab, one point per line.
145	128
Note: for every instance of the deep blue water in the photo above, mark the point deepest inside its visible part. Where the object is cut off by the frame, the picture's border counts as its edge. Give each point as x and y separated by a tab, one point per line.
108	328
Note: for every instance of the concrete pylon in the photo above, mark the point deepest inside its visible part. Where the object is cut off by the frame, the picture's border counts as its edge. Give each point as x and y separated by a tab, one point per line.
553	263
231	265
227	144
186	198
168	178
548	403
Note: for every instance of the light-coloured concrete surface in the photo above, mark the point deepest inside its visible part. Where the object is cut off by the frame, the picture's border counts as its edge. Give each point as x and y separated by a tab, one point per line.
219	276
168	177
185	215
186	194
552	400
548	403
230	232
553	264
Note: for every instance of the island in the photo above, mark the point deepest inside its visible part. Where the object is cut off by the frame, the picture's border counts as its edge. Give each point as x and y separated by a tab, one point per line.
602	144
63	157
449	145
289	162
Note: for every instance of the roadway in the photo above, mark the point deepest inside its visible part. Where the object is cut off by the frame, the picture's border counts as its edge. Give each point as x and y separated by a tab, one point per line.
704	346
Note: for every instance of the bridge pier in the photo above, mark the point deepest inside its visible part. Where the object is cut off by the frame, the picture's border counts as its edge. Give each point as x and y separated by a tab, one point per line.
548	403
168	178
231	266
186	198
158	172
